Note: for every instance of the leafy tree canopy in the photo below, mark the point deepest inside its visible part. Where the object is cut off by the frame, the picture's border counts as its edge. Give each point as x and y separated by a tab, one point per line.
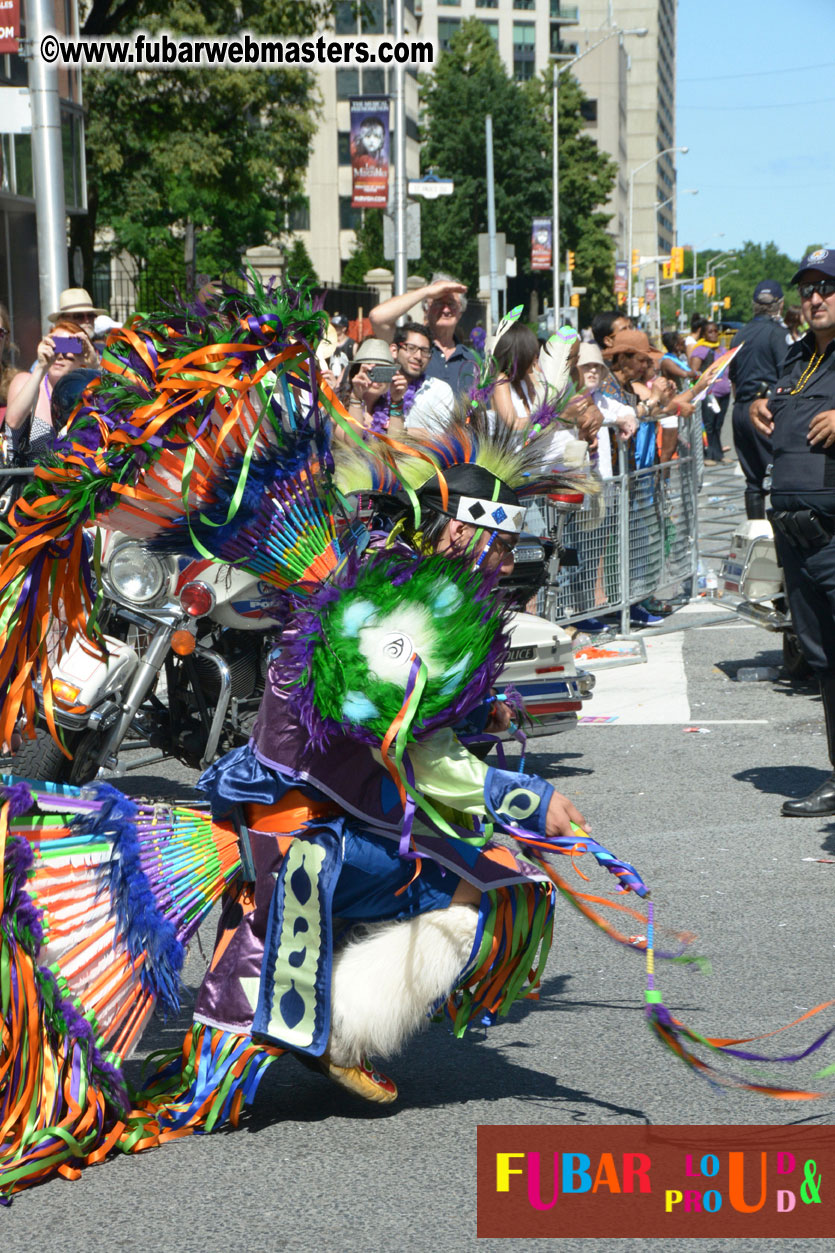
224	149
738	274
368	249
298	266
469	82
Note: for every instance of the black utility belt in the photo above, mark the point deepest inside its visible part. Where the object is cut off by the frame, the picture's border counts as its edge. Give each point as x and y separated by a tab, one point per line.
803	527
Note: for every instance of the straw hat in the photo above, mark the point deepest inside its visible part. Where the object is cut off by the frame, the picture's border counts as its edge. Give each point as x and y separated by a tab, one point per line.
374	351
74	300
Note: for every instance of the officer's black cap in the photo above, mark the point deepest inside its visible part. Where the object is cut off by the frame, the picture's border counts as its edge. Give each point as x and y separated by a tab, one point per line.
822	259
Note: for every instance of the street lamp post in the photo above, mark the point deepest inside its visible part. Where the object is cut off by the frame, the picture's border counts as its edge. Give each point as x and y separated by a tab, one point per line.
640	32
400	249
685	191
719	281
47	163
713	265
637	170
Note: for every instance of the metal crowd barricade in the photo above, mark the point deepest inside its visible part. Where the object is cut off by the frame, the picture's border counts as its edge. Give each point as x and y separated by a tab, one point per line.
636	538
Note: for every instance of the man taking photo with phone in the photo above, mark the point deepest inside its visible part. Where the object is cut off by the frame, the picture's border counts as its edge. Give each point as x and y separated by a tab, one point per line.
414	398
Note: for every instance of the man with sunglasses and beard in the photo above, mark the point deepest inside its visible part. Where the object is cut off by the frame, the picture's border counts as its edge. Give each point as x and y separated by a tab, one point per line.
799	418
415	397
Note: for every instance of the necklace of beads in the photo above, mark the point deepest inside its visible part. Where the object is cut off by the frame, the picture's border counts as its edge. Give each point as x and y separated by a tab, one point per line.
817	358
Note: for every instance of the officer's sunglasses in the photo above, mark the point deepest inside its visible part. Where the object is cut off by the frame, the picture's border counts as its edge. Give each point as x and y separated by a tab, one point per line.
824	287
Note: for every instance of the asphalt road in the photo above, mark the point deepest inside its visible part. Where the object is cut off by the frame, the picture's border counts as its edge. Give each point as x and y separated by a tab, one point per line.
698	814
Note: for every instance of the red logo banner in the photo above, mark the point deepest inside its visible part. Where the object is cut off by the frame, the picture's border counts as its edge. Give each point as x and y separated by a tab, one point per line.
9	25
707	1182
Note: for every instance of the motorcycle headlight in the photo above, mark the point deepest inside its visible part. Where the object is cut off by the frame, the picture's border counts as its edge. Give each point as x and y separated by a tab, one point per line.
135	574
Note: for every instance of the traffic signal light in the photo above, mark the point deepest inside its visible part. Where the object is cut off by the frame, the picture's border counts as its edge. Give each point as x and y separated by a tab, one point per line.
677	260
709	286
726	302
570	265
575	299
636	257
621	297
667	269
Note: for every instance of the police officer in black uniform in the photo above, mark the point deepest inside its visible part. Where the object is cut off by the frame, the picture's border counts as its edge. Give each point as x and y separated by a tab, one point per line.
754	370
799	417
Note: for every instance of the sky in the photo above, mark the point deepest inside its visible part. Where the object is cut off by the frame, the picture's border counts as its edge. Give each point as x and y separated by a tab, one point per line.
756	108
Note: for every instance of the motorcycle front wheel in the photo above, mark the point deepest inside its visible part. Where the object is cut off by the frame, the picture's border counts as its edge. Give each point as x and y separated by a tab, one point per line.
42	759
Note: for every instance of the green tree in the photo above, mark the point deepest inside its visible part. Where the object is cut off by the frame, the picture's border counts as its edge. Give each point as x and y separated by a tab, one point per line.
368	249
739	275
469	82
225	150
298	265
586	179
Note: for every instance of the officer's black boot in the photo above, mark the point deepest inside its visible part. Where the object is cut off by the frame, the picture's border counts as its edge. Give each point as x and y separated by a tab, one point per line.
754	504
821	802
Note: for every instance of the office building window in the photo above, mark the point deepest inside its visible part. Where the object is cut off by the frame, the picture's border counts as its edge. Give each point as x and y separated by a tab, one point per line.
588	110
347	84
298	219
343	147
345	18
524	4
447	27
486	4
524	50
560	49
23	165
350	219
371	12
492	29
72	143
412	128
374	82
449	3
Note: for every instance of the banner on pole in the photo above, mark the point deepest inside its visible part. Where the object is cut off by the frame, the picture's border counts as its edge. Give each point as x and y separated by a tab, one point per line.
650	290
621	276
369	151
541	250
9	25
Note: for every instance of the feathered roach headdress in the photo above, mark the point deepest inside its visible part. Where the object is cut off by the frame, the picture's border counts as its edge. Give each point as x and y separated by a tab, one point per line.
208	431
473	468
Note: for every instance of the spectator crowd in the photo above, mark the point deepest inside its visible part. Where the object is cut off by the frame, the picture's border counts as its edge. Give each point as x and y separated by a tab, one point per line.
620	391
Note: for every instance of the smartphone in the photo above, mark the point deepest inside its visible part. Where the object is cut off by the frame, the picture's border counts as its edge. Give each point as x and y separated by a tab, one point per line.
68	343
382	373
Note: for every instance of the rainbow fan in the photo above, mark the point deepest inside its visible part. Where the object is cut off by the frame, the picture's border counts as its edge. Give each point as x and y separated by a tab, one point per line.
208	431
100	896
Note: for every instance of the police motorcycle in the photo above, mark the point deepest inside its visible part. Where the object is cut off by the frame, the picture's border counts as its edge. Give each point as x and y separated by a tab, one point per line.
183	660
180	668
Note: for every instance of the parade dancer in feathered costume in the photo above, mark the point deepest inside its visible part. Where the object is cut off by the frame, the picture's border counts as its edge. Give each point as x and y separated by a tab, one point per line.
356	727
354	836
